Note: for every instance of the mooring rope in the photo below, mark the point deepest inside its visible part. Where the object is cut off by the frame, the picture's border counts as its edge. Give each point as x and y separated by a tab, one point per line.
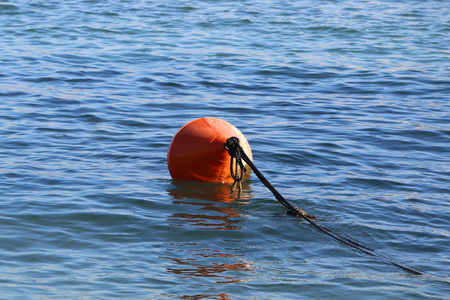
237	154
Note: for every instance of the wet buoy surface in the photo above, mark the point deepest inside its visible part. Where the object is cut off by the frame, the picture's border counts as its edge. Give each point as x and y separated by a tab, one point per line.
197	151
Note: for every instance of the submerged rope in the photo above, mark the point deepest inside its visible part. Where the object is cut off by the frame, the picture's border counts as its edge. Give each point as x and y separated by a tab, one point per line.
237	154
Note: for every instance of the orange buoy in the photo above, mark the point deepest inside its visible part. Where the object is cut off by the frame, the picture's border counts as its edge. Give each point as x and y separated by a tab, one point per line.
197	151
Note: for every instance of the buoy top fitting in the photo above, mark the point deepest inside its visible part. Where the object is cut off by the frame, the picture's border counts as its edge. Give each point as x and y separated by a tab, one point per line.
197	151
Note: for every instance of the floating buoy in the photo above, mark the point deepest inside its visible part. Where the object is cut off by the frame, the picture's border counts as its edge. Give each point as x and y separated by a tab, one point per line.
197	151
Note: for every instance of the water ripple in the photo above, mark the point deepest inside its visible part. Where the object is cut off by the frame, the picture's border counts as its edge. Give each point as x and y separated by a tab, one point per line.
345	106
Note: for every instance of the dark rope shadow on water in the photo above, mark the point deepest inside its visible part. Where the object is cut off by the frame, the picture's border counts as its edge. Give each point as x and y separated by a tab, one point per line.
237	169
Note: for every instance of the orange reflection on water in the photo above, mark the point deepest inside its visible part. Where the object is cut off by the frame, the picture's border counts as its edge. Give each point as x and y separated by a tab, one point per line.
207	207
207	191
197	262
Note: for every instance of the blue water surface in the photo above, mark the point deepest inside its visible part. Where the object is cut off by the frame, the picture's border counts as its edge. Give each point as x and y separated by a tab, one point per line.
345	105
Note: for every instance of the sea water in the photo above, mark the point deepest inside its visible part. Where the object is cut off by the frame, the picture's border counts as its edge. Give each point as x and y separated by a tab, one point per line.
345	105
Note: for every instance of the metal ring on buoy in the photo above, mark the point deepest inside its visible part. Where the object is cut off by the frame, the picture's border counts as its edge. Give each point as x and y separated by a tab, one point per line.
197	151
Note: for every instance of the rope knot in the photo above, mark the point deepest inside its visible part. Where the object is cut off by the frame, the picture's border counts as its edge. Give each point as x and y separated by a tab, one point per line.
237	169
232	145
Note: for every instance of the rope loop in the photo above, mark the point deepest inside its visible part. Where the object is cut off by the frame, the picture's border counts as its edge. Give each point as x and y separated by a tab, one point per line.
237	168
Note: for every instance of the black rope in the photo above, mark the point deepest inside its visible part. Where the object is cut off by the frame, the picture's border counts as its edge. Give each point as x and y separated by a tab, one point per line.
237	169
238	154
